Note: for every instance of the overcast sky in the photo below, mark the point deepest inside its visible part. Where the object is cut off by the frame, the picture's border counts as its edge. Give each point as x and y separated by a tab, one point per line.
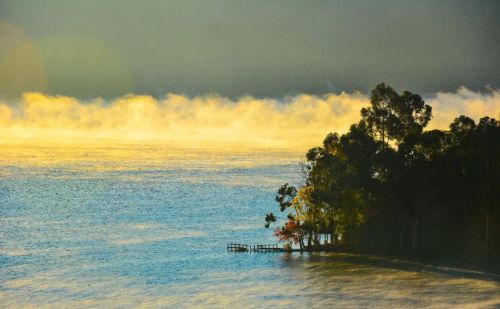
268	48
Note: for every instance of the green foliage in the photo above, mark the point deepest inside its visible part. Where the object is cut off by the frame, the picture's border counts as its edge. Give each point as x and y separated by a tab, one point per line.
285	196
395	117
269	218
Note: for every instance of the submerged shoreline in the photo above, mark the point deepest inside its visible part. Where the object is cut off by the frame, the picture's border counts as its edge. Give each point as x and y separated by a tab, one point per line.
484	266
459	265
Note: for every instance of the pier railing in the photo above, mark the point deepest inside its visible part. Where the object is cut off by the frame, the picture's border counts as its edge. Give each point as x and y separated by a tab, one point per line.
236	247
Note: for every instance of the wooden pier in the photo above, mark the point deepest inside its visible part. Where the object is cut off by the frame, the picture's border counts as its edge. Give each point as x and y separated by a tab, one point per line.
234	247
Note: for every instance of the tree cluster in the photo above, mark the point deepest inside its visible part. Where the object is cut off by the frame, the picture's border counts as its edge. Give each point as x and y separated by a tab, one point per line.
388	184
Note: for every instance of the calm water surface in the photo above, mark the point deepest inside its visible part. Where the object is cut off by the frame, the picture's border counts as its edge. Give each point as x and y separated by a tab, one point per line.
146	226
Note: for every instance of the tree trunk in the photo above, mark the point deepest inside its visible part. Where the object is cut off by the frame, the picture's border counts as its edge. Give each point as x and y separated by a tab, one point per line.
425	213
401	222
417	204
415	232
487	230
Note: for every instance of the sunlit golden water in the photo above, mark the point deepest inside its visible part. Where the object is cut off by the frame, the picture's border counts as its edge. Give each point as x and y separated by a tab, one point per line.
129	225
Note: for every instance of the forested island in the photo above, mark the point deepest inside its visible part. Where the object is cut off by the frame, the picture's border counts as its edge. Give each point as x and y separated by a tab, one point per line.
388	185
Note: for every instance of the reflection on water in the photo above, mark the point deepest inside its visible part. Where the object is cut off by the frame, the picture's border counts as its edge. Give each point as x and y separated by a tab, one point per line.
146	226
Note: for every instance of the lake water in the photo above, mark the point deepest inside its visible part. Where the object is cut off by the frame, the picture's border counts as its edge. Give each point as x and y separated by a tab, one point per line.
147	226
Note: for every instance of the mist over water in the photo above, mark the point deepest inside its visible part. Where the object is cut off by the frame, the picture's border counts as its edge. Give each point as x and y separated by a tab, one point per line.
295	122
147	226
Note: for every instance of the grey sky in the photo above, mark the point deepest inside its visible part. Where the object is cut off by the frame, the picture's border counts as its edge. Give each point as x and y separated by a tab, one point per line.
262	48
